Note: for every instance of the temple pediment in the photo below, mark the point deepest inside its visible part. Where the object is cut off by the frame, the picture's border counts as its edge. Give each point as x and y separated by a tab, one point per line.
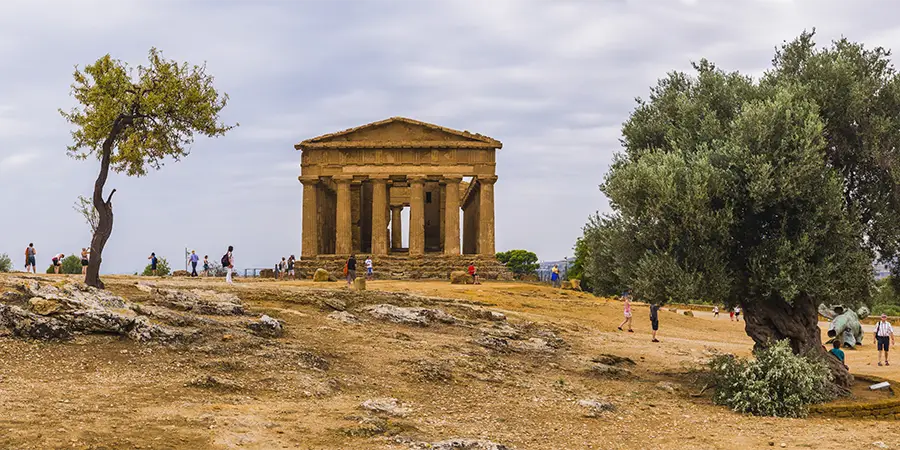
400	132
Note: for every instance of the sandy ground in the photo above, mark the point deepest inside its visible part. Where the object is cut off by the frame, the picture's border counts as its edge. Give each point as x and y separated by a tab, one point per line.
303	390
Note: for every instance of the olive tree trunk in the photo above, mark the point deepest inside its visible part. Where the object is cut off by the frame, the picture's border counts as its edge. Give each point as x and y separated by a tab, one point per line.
774	319
104	209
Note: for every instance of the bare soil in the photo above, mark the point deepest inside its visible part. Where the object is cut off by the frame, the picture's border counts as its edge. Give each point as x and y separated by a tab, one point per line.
303	390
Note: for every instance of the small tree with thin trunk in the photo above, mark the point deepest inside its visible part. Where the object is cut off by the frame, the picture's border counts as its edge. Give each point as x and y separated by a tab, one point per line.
133	120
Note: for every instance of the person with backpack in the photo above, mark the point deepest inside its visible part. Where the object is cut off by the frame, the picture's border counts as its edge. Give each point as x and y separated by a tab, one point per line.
289	270
228	264
153	263
85	260
30	259
350	270
281	267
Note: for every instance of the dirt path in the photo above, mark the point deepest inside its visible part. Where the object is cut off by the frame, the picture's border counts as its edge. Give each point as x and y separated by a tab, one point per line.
303	390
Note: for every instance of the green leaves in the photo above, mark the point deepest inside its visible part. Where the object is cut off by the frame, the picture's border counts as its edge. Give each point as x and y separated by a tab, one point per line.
151	113
520	262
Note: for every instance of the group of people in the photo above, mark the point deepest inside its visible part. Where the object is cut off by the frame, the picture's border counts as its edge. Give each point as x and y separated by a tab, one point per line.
285	267
654	317
350	269
55	261
734	313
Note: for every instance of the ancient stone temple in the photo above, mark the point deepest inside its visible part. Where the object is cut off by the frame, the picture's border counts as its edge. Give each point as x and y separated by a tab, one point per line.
357	182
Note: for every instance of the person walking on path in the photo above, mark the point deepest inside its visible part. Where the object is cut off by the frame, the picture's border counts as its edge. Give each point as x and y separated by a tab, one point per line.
473	273
228	264
654	320
57	261
554	276
206	265
715	311
290	266
370	270
731	315
194	258
153	263
884	338
351	270
30	259
85	260
627	297
737	313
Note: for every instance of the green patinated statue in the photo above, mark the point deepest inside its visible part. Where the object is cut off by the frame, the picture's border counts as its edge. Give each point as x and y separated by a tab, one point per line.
845	324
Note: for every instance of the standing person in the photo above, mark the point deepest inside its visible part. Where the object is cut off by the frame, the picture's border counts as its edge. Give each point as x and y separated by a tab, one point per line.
85	260
554	276
884	338
228	264
351	270
370	270
194	258
30	258
206	265
627	297
731	315
654	320
153	262
737	313
473	273
715	311
57	261
290	266
282	266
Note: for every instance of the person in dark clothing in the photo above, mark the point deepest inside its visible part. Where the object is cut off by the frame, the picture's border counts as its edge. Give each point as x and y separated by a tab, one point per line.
153	263
837	352
654	320
351	270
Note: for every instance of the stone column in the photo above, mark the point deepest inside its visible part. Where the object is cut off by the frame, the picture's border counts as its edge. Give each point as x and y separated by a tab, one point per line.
344	234
451	215
416	215
310	221
379	216
486	213
396	227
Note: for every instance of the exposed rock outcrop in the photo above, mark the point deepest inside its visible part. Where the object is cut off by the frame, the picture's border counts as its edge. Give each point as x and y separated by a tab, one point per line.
410	315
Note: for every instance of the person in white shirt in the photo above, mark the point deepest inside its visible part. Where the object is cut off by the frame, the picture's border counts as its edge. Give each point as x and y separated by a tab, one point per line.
884	338
229	258
369	270
57	262
715	311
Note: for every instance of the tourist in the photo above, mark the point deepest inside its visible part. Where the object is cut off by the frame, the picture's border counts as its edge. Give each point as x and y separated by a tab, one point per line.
731	314
554	276
837	352
626	296
351	270
282	266
206	265
290	266
30	259
654	320
737	313
194	258
228	264
715	311
473	273
369	269
57	261
884	338
153	263
85	255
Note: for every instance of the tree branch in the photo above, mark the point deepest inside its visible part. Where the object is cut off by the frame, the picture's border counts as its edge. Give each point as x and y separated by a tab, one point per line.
109	199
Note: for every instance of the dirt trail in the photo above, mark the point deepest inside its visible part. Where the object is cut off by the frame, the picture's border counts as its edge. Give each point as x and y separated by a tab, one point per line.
459	380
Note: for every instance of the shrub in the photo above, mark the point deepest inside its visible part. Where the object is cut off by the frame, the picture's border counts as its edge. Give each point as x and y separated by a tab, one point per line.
519	262
776	383
162	268
6	264
70	265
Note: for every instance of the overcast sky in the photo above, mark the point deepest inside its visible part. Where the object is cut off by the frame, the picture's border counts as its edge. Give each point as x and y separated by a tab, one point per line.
553	80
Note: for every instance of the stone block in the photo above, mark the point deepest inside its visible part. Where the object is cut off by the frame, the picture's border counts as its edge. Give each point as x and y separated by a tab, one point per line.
321	275
576	284
460	277
359	284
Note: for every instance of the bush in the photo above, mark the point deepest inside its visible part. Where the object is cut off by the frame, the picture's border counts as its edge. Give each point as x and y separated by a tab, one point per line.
519	262
776	383
6	264
71	265
162	268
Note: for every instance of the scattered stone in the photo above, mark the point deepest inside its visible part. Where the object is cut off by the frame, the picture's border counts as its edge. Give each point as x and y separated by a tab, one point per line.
200	301
335	304
595	407
322	276
605	370
689	313
344	316
536	345
359	284
29	325
466	444
181	273
494	343
667	387
213	383
880	444
613	360
267	326
410	315
461	277
388	406
576	284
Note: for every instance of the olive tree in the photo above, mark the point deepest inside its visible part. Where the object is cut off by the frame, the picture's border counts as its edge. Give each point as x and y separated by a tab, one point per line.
132	120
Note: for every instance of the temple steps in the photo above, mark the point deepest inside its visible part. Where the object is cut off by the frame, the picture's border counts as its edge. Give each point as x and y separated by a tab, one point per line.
406	267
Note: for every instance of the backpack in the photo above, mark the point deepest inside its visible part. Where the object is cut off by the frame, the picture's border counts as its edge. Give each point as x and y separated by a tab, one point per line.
225	261
346	269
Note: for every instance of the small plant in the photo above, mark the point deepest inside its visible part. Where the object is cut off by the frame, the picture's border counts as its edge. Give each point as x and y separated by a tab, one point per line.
162	268
6	264
776	383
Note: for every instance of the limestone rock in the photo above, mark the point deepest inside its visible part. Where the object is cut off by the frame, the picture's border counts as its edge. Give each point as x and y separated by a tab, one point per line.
461	277
359	284
576	284
200	301
29	325
322	275
344	316
604	370
334	303
266	326
43	306
613	360
689	313
410	315
495	343
595	407
467	444
666	386
388	406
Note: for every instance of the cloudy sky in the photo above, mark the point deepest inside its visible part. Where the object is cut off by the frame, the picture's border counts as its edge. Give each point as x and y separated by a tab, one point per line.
553	80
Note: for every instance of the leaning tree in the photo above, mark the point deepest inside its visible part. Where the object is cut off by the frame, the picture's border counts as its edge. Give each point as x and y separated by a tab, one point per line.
774	195
134	121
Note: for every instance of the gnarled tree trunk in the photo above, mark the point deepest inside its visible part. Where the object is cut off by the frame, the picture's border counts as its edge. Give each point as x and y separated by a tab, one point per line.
774	319
104	209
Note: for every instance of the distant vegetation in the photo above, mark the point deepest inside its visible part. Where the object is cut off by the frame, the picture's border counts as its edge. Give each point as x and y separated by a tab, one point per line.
71	265
6	264
162	268
887	298
519	262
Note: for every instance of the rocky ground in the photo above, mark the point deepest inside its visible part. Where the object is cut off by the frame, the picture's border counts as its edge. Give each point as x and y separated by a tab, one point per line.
196	364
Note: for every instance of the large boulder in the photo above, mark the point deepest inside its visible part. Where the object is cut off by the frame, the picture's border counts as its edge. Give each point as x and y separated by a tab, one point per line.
576	284
322	275
359	284
461	277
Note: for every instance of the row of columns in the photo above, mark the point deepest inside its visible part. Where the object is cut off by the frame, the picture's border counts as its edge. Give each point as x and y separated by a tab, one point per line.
381	210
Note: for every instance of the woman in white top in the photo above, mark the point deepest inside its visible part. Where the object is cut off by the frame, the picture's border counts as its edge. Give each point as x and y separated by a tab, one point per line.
884	338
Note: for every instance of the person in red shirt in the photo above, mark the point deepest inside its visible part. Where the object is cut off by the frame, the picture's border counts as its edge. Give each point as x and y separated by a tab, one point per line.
473	273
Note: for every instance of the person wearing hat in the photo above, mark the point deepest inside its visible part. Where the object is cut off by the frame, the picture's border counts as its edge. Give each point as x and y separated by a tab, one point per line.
884	338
